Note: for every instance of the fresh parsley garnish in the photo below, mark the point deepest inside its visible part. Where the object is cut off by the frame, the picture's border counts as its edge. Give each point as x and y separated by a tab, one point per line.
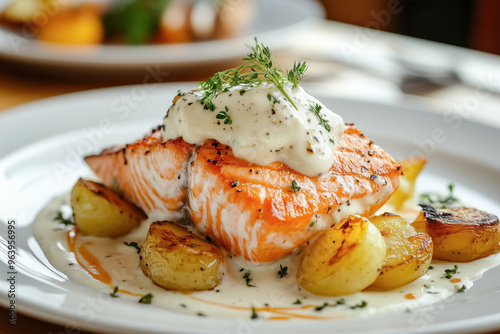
62	219
295	186
437	200
316	109
225	116
180	93
146	299
450	272
462	289
133	244
115	291
258	67
247	278
283	271
297	302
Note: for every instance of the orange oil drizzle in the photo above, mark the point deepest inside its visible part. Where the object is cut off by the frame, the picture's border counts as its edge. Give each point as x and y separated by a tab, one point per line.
410	296
456	280
283	311
96	270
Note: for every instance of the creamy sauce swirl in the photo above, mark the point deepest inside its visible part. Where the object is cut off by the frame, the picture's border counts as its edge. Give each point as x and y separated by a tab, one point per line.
261	125
104	263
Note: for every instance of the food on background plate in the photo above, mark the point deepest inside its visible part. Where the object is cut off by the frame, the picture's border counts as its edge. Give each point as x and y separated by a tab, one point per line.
131	22
252	186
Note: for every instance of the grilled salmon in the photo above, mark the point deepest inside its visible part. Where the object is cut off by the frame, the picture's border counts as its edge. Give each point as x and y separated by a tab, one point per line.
258	212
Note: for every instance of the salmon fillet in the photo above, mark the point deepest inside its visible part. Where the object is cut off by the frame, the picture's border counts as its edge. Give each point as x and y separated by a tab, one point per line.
253	211
149	173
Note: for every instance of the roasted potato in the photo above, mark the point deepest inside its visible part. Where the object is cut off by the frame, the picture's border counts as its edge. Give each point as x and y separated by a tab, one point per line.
460	233
408	253
175	259
346	259
73	25
100	212
406	189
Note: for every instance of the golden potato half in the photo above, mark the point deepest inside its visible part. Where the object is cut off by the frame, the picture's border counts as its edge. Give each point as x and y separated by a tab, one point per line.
175	259
346	259
101	212
460	233
408	253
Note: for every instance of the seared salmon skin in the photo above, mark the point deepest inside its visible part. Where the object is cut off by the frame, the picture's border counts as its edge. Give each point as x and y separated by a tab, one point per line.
261	213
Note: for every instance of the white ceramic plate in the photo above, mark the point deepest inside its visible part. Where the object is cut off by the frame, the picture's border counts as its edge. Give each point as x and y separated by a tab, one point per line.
274	23
55	132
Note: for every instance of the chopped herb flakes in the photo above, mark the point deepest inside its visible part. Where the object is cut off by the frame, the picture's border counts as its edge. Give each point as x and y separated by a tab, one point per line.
462	289
247	278
195	245
450	272
225	116
133	244
115	291
295	186
283	271
146	299
297	302
340	301
438	201
316	109
254	314
65	220
362	305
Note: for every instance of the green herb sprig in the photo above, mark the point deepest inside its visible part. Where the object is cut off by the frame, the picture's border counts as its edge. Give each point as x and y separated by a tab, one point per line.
295	186
258	67
283	271
247	279
114	293
450	272
316	109
146	299
133	244
225	116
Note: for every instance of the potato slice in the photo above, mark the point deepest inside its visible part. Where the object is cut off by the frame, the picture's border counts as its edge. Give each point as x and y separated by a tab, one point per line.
346	259
175	259
460	233
408	254
406	189
101	212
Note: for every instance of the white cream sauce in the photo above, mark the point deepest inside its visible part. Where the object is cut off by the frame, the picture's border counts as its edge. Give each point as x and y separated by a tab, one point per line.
261	125
122	263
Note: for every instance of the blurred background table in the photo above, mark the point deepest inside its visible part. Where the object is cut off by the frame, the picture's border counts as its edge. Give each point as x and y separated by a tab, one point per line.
332	70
